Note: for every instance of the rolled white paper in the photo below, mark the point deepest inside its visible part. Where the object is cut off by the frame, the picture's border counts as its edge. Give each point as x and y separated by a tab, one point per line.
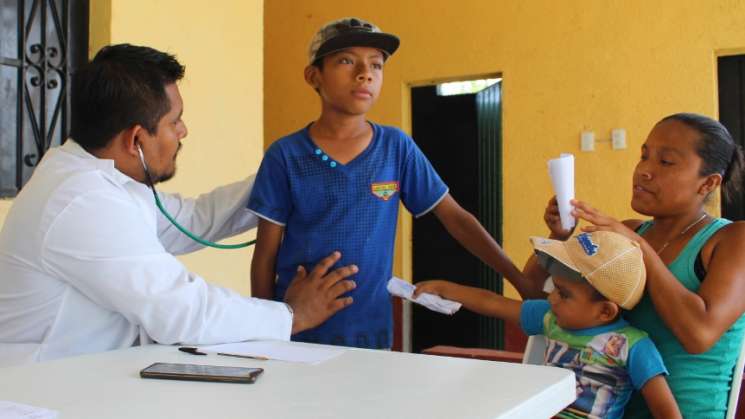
561	171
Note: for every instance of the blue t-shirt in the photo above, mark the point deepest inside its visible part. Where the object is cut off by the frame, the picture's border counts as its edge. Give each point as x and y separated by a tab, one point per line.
608	361
353	208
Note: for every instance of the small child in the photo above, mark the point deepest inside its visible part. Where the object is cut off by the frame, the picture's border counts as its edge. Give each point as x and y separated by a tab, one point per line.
337	184
595	275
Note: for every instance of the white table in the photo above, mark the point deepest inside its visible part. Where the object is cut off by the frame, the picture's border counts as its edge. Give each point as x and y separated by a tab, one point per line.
358	384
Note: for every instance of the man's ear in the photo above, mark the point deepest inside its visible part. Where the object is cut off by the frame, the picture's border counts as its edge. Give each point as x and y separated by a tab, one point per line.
711	182
608	311
130	139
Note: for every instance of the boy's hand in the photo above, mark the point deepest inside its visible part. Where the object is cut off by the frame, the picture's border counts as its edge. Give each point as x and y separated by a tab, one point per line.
553	221
316	296
481	301
436	287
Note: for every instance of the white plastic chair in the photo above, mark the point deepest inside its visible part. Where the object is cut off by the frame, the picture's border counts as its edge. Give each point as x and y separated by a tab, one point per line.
734	391
535	350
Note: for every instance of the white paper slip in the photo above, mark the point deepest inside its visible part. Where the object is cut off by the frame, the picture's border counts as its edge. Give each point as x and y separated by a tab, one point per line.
11	410
548	285
561	171
275	350
403	289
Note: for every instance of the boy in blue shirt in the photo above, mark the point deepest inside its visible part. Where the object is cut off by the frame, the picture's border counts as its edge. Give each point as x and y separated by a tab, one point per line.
337	183
594	275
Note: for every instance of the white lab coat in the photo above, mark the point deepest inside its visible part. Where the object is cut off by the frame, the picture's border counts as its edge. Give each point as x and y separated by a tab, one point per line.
87	265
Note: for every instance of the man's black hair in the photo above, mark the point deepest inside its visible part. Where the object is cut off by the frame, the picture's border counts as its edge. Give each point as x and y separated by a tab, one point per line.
122	87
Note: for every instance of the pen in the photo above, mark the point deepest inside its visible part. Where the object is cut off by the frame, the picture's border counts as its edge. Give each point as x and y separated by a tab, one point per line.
190	350
195	351
259	357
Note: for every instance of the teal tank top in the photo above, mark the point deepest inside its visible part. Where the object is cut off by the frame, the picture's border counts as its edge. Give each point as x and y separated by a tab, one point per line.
701	382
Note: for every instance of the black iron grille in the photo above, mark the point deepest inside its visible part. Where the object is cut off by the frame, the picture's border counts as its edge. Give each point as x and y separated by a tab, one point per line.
41	42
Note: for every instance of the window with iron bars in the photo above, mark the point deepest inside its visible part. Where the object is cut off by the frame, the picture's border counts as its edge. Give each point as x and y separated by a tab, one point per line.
42	42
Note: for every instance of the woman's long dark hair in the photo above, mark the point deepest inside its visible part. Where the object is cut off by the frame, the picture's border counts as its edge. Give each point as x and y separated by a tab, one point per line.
718	151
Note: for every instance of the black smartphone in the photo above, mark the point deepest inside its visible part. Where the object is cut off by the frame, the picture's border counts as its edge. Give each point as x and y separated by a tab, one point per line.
194	372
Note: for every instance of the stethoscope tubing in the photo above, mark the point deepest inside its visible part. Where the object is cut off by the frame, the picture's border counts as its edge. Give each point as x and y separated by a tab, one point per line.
181	228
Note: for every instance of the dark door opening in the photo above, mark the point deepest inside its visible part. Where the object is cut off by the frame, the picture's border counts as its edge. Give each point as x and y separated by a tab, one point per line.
732	115
461	136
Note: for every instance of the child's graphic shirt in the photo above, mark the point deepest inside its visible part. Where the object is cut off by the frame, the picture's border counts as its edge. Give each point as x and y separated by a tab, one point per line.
609	362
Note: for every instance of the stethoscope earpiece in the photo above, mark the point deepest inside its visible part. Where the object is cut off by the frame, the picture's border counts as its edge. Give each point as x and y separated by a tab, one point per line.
142	160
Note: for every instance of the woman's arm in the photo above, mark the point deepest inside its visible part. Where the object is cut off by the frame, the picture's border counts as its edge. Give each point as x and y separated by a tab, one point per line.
263	265
697	319
534	274
477	300
660	399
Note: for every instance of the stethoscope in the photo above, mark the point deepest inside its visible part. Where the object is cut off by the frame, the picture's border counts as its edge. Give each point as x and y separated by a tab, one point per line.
179	226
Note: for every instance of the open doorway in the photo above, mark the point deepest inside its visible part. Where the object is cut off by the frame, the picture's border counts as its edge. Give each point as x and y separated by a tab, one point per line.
731	72
461	135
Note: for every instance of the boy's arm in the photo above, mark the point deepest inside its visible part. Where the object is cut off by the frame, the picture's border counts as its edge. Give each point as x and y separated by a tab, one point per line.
478	300
467	230
263	265
659	398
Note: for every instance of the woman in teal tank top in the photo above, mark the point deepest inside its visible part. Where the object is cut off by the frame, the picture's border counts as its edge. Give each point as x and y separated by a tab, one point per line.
693	305
700	381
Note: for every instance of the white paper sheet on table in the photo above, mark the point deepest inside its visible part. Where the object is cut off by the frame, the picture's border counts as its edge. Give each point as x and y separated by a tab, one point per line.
276	350
11	410
561	171
403	289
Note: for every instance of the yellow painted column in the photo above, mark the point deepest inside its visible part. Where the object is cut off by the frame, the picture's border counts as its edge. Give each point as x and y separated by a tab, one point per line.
99	25
221	46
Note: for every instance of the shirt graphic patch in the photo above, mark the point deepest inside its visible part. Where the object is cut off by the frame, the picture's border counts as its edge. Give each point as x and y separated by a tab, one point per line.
612	345
384	190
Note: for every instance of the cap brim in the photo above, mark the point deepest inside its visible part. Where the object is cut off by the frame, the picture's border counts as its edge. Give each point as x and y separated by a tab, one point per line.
556	268
383	41
548	251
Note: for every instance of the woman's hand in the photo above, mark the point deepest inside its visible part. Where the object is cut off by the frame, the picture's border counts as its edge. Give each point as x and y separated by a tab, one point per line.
601	222
553	221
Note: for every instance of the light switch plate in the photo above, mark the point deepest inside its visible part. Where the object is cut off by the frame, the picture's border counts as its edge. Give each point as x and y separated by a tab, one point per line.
618	139
587	141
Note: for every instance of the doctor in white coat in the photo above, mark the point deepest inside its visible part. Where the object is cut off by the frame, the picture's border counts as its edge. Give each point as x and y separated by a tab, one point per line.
86	259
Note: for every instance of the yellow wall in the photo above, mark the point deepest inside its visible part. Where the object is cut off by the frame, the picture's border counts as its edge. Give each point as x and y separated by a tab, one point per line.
221	47
567	66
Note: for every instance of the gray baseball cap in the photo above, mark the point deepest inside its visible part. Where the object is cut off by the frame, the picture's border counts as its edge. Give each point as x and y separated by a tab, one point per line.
350	32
